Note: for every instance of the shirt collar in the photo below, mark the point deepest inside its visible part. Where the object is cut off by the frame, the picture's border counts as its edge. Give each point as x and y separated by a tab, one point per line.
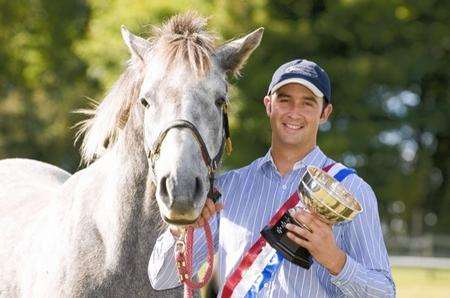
315	158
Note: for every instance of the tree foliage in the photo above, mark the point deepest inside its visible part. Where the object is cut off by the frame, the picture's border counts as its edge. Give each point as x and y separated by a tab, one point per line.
41	78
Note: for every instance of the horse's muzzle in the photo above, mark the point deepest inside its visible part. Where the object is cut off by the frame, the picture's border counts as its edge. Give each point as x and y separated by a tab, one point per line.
179	222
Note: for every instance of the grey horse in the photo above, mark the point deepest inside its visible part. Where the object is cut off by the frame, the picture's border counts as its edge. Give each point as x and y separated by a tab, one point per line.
91	233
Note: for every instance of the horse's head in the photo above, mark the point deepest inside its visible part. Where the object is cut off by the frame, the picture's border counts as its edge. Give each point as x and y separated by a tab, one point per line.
184	93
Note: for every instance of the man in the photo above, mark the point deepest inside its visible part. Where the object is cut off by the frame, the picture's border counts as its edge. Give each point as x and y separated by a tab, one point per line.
350	258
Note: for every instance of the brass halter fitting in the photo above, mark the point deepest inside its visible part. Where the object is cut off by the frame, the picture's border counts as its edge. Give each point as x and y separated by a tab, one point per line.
228	144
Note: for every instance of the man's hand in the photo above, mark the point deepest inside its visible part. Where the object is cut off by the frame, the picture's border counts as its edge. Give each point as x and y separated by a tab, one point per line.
319	241
208	211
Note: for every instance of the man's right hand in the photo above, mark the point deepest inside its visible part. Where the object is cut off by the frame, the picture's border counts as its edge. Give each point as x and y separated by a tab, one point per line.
209	210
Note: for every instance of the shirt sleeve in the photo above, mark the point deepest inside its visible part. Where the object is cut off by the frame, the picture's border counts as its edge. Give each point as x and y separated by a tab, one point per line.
162	268
367	271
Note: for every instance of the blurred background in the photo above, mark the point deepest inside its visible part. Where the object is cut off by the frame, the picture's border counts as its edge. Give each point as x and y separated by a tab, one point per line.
389	66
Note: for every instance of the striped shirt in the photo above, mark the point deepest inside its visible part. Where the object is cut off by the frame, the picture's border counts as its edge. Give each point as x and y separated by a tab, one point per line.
251	195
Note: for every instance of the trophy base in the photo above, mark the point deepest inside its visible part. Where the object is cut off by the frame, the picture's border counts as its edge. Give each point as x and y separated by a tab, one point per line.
290	250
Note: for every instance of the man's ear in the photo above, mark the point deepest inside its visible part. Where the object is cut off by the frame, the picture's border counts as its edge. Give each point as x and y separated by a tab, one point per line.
138	46
268	104
326	113
232	55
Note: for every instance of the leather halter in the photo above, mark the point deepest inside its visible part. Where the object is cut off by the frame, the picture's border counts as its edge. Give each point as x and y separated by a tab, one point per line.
211	163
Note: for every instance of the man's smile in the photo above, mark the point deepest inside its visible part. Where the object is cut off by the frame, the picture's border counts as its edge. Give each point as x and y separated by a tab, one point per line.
294	127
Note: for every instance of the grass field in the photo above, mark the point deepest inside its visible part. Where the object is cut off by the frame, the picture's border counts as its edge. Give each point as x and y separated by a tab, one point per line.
429	283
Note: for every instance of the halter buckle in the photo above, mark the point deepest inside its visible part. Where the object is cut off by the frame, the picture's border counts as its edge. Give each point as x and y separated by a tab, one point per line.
211	168
180	246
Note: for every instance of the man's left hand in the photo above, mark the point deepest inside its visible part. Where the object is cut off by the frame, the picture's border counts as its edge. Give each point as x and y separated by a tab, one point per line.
319	241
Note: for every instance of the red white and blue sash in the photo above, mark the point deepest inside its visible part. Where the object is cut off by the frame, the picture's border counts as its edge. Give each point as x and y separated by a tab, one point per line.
261	261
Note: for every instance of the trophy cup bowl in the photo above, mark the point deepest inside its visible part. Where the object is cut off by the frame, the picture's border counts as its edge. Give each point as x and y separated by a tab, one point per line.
325	196
321	194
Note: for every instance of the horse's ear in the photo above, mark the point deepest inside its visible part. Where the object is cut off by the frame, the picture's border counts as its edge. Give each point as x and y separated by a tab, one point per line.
137	45
233	54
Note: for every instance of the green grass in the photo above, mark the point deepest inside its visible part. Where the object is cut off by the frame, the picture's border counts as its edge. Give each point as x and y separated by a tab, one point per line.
429	283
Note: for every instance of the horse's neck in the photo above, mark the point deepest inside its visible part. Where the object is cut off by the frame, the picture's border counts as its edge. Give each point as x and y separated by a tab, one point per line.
123	212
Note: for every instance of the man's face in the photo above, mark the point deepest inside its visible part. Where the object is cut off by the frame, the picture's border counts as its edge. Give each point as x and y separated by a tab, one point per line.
295	115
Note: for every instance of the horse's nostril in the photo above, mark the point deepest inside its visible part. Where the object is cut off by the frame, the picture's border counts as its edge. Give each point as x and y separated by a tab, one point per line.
198	187
163	187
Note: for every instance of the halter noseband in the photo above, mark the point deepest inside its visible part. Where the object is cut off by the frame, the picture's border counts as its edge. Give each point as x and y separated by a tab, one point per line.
211	163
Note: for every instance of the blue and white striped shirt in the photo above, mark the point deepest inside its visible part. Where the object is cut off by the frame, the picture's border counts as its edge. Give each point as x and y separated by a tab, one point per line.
251	195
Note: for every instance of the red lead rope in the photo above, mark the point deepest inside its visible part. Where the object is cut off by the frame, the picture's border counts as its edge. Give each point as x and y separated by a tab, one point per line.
183	258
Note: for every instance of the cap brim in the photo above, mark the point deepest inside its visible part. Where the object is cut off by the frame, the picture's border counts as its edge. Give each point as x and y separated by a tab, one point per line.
303	82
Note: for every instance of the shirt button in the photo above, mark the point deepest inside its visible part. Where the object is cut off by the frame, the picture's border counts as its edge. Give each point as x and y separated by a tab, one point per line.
284	187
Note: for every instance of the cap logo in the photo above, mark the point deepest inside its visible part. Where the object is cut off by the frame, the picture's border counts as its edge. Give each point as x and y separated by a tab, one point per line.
306	70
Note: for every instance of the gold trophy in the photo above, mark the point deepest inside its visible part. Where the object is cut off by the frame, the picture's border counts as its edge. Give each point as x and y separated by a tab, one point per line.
321	194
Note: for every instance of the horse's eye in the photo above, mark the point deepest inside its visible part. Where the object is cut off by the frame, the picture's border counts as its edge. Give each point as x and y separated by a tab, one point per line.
220	101
144	102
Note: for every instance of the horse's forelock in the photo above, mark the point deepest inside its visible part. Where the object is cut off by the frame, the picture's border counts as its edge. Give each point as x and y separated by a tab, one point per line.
184	38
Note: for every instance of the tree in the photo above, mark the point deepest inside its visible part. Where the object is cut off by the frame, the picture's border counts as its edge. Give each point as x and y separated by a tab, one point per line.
42	79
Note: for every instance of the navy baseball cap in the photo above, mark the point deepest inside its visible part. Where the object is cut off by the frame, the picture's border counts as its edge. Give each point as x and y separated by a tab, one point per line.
304	72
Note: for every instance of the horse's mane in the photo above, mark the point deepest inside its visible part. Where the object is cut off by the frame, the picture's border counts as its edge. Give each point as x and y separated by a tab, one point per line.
182	39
